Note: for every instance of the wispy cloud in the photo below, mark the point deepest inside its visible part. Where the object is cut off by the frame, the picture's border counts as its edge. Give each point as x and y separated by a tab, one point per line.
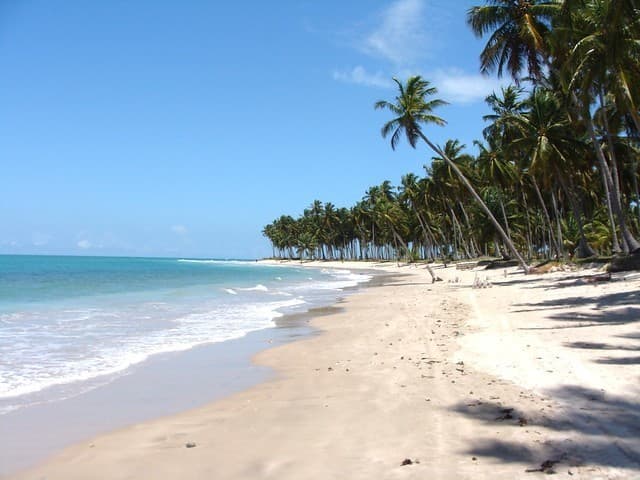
399	36
179	229
457	86
454	85
10	243
399	40
39	239
359	76
84	244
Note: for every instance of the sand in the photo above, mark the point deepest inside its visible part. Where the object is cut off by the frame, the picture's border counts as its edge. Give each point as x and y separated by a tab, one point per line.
531	372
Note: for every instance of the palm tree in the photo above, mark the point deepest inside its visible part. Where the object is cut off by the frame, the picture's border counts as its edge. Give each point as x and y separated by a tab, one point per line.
453	191
502	105
606	56
518	35
548	141
409	192
412	108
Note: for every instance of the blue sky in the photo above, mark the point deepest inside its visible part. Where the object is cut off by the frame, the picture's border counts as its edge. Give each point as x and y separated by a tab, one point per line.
169	128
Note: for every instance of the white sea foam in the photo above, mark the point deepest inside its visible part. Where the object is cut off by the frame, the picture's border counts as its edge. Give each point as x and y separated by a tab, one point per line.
92	341
218	262
257	288
31	368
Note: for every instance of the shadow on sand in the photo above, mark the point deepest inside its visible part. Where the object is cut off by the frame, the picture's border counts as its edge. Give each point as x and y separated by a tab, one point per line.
590	427
594	429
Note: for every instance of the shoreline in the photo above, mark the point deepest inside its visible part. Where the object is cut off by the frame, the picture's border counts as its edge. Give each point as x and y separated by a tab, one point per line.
463	382
155	388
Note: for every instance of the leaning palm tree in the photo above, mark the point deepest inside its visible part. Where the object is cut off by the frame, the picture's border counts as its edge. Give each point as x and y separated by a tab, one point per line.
414	107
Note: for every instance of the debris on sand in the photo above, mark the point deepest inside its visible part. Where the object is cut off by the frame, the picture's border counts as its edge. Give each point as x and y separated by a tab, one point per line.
545	467
506	414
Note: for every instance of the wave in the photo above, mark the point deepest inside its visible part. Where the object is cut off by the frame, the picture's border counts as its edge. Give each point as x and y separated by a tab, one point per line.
50	349
257	288
218	262
28	370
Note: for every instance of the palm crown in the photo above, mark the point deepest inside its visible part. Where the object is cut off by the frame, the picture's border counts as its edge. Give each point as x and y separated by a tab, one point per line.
412	107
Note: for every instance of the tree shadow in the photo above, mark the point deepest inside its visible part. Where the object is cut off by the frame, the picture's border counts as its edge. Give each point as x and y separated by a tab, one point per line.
593	428
619	360
611	360
602	318
633	336
598	346
606	301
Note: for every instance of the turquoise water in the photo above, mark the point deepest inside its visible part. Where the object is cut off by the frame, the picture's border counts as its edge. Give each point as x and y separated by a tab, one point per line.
68	323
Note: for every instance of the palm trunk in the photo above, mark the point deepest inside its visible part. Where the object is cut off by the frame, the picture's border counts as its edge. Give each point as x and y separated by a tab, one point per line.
526	213
481	203
634	179
426	232
558	224
631	243
584	249
614	170
556	245
467	224
459	236
504	217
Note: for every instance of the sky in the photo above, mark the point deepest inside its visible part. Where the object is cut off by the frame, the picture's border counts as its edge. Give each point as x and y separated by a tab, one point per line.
180	129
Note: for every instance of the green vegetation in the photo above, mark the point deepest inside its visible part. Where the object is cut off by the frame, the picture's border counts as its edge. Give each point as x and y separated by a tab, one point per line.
556	175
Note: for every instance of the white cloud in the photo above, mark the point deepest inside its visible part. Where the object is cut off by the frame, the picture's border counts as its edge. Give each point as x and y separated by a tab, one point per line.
359	76
179	229
10	243
84	244
456	86
39	239
399	38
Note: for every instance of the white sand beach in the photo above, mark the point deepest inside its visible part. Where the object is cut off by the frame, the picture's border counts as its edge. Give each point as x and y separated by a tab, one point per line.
413	379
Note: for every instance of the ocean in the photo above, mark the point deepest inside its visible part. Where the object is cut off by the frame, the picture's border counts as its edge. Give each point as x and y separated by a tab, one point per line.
71	324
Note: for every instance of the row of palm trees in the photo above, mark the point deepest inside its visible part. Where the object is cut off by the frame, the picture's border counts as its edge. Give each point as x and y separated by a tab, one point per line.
556	173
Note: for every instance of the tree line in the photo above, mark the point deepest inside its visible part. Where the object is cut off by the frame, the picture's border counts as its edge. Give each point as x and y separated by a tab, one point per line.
556	173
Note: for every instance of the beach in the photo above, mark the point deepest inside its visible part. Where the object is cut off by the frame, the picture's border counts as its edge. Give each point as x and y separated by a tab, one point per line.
521	376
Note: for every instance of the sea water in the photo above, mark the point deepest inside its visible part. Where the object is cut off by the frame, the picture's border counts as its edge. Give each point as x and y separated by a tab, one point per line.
69	324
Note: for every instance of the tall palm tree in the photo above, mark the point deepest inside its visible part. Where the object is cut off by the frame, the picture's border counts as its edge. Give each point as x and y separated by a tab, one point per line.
606	57
409	192
412	108
548	141
518	35
607	53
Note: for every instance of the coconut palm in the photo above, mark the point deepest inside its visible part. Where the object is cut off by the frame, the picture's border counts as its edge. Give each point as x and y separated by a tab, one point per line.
410	193
507	102
606	53
548	141
412	108
518	31
606	57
